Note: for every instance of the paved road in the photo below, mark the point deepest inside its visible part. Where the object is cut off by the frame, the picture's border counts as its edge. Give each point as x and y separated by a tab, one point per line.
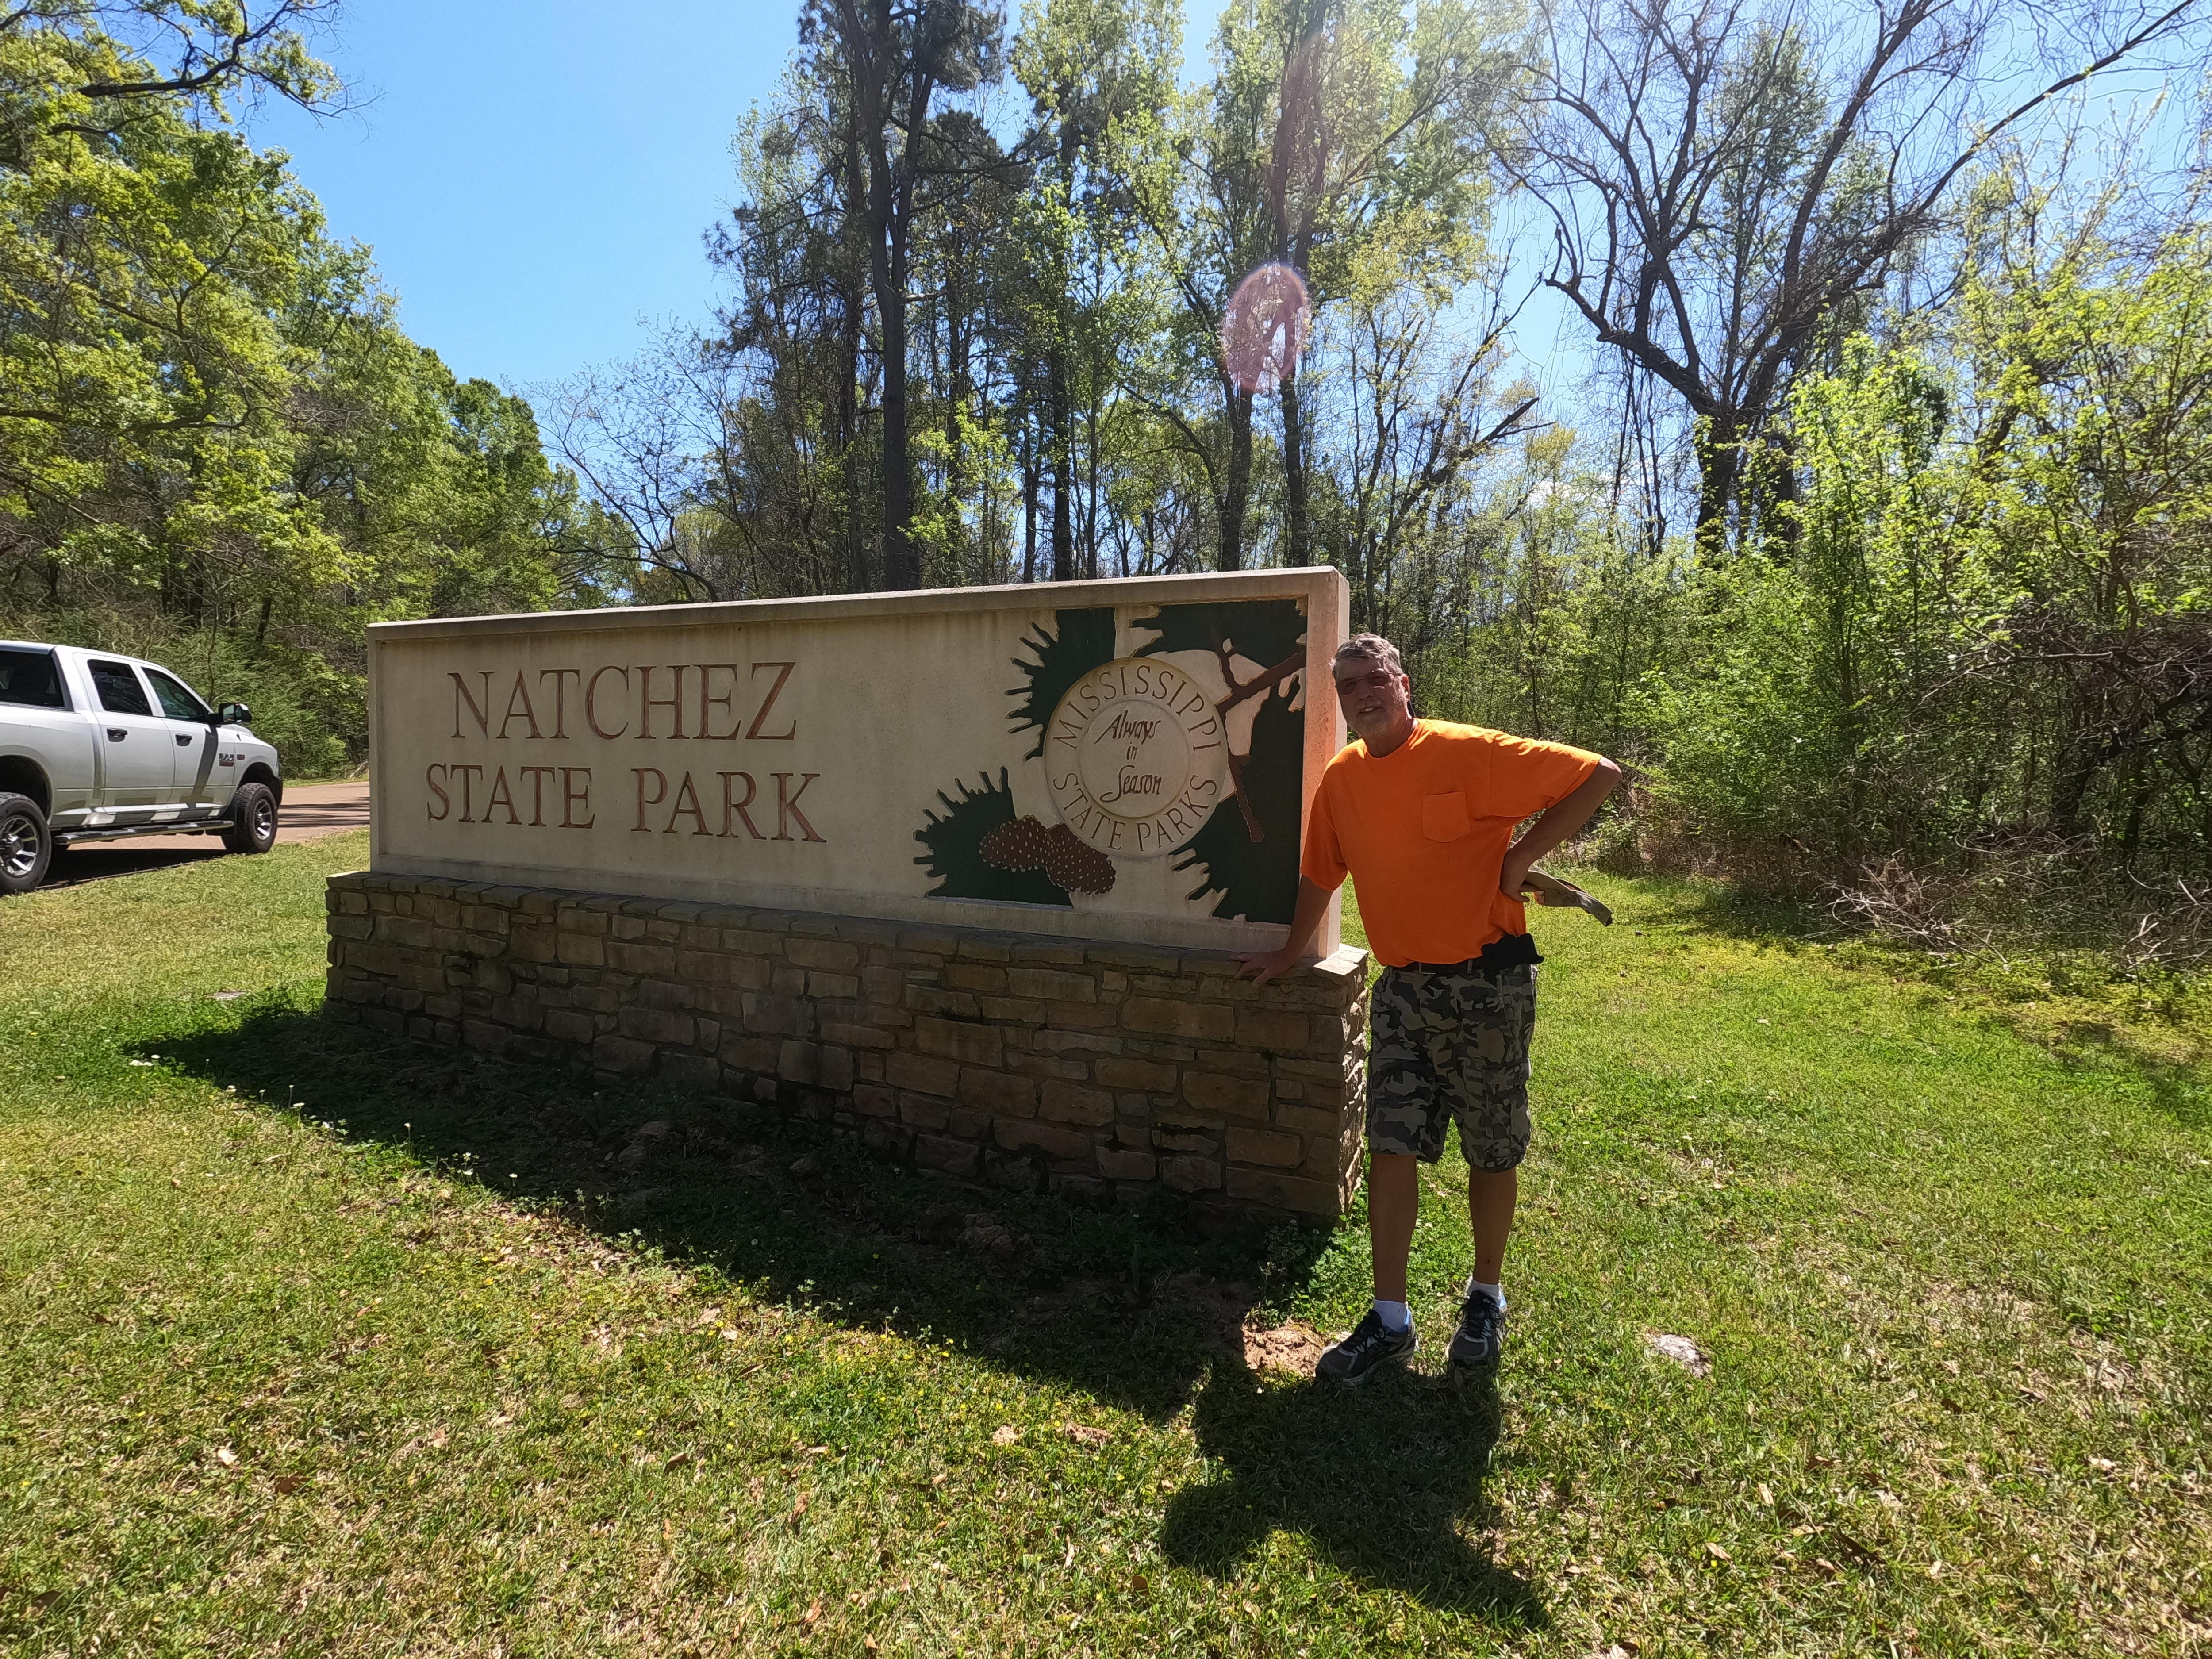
309	812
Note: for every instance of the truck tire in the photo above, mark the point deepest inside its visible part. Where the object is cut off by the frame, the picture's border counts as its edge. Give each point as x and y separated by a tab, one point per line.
27	846
253	817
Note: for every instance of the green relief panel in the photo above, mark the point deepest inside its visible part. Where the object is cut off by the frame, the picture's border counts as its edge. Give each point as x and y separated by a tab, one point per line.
956	857
1244	857
1248	852
1086	640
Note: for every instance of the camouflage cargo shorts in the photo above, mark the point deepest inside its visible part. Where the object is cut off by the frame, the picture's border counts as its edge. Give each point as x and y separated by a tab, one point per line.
1452	1043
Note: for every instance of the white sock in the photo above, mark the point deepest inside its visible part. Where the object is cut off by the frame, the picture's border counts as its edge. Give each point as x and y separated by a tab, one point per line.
1495	1292
1395	1315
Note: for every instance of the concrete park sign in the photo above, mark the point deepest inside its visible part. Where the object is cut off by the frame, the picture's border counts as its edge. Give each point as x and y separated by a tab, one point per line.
957	872
1107	759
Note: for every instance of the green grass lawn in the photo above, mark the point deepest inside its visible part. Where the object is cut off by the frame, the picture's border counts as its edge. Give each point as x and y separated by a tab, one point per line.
316	1346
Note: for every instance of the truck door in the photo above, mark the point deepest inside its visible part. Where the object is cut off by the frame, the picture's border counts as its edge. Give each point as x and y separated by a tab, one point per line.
192	728
40	723
137	751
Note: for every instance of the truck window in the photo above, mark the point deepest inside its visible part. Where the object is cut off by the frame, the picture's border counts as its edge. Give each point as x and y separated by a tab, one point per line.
177	700
29	678
118	687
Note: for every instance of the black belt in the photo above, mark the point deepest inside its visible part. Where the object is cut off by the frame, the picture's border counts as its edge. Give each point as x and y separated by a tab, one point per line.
1500	956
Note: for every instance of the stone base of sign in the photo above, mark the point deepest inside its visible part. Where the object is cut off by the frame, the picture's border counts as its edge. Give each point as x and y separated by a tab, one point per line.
1096	1070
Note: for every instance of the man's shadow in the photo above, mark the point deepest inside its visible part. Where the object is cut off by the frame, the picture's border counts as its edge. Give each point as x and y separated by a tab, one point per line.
1381	1479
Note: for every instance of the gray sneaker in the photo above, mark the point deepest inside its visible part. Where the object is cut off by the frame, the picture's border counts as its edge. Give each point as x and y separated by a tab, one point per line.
1480	1341
1351	1360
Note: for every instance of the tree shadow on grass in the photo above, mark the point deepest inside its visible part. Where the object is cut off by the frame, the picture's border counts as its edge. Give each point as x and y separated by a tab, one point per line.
1138	1309
1378	1479
1729	909
1130	1306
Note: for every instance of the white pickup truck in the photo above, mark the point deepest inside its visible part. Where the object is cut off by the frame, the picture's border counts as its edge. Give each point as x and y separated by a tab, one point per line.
95	745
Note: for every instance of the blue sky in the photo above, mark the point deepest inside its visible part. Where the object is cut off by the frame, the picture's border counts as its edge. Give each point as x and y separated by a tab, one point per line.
535	178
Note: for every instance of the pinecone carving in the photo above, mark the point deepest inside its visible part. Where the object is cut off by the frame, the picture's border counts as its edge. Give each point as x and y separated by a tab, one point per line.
1026	844
1077	866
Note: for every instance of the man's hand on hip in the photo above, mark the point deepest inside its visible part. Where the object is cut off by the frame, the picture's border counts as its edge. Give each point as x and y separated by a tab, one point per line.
1513	877
1561	820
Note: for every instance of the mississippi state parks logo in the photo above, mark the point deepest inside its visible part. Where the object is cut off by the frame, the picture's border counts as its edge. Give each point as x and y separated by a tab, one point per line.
1134	759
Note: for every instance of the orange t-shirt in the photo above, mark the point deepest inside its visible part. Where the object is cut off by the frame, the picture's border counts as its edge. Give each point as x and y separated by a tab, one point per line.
1423	830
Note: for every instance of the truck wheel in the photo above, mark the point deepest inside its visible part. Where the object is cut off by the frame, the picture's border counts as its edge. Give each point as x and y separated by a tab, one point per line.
253	817
27	846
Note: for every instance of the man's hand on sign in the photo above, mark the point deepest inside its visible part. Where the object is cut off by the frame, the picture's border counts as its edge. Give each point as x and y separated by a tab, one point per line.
1264	965
1305	934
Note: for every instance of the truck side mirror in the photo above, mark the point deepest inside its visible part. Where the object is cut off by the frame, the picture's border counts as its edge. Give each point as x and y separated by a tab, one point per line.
234	713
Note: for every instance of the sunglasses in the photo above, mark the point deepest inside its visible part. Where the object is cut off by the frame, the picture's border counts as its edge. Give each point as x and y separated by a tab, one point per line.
1381	680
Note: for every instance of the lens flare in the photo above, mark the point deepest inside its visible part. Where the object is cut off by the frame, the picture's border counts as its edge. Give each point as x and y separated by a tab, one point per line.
1266	329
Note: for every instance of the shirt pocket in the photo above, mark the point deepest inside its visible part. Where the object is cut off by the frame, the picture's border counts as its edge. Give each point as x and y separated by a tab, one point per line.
1443	818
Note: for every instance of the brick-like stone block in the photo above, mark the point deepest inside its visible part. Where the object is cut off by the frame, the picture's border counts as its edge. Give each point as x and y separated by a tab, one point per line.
1191	1175
1198	1021
1185	1138
799	1062
923	1073
1278	1191
1070	1102
1261	1028
953	1039
1311	1121
1050	1138
1264	1146
656	959
936	1000
1052	985
1234	1096
566	1025
581	950
1000	1092
774	1015
1118	1072
656	1026
835	956
1051	1041
972	977
1120	1164
1045	1066
408	932
757	1055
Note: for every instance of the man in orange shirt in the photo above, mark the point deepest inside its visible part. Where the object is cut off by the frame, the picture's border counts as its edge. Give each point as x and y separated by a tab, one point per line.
1420	813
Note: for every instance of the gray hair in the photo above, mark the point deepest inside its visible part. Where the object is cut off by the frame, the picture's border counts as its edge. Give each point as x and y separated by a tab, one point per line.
1372	646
